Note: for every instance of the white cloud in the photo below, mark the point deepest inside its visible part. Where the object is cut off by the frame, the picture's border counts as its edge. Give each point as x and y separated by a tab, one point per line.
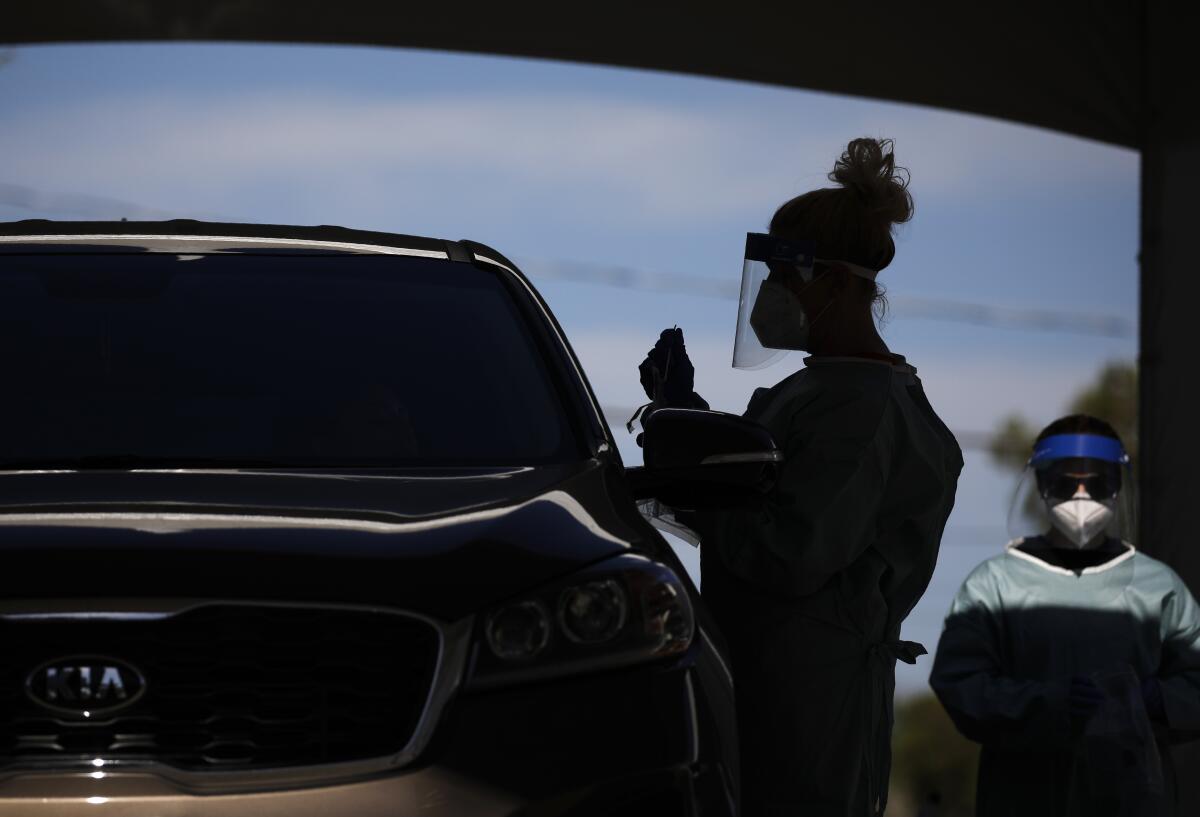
652	161
659	161
952	154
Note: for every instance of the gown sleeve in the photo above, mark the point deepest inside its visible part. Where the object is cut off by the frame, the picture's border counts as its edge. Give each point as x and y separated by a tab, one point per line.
968	676
822	513
1179	670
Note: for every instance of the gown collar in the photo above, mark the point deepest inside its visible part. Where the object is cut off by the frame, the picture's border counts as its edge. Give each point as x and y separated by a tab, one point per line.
898	363
1014	549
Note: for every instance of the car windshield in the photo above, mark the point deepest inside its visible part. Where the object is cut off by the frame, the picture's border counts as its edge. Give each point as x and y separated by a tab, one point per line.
253	359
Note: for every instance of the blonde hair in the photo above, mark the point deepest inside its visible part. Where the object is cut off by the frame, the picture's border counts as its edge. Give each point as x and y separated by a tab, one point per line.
853	222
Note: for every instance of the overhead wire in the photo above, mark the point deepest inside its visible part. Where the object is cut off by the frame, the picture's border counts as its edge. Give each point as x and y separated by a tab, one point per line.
942	309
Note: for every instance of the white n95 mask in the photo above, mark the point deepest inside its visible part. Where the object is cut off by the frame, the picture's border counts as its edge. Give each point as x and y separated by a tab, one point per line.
778	318
1082	519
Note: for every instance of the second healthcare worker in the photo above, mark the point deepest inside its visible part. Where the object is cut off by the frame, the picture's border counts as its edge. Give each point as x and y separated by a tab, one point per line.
1072	657
811	585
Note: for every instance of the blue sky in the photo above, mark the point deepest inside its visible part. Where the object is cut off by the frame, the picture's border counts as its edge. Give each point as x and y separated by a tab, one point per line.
552	162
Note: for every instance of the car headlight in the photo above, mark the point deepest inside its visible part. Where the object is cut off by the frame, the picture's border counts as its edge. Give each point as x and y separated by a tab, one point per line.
594	612
518	631
622	611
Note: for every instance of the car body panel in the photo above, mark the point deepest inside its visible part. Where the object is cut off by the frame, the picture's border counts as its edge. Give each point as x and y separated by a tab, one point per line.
431	791
354	538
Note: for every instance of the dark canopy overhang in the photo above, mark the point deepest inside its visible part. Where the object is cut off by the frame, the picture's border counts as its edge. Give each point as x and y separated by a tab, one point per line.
1069	65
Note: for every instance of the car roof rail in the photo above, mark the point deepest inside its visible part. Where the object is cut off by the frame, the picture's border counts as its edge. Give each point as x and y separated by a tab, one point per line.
477	248
184	226
460	251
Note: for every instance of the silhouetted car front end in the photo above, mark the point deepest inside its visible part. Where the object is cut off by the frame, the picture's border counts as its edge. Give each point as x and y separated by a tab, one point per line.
313	521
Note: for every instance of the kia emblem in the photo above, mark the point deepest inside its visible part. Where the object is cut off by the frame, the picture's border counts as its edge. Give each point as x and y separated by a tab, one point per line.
85	685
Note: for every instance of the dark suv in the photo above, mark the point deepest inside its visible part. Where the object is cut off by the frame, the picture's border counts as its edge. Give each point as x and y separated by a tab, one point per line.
319	521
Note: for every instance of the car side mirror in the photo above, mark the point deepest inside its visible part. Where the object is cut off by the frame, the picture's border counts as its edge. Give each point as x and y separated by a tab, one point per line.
704	459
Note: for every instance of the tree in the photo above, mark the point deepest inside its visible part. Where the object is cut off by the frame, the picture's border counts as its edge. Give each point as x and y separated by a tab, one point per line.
1012	441
1113	397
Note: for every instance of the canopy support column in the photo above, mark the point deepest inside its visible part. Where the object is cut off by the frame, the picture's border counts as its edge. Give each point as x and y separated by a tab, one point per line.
1169	367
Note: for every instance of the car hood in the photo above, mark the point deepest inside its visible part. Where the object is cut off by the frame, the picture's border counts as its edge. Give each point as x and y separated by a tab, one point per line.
442	542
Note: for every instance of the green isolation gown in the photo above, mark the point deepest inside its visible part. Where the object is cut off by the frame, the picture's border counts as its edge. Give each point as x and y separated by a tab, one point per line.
1020	627
810	586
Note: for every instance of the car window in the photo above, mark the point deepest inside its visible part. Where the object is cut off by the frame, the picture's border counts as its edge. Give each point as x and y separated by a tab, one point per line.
318	360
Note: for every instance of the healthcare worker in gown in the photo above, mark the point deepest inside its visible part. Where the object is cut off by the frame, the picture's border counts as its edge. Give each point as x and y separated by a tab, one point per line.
1071	656
811	584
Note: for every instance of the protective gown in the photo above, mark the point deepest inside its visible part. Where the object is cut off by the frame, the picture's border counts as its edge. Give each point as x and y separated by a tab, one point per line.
810	586
1017	631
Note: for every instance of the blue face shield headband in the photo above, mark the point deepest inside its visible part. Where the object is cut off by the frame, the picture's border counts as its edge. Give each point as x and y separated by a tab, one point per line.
1075	446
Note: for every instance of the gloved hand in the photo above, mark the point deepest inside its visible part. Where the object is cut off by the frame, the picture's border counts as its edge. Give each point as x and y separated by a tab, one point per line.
667	373
1084	697
1156	708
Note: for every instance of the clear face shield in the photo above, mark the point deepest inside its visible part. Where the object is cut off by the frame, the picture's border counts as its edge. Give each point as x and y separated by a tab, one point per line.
1079	485
770	320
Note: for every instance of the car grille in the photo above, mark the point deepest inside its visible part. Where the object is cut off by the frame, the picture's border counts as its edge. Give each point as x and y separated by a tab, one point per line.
228	687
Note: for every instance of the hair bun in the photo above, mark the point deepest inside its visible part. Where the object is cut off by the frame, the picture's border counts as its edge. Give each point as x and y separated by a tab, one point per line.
868	167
